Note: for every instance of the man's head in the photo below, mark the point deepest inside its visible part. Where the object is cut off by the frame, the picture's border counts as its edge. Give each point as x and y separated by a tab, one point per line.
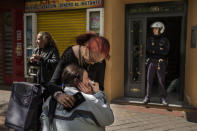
158	28
156	31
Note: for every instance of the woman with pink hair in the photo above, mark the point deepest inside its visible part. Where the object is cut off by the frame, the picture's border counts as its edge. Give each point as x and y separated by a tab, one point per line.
90	53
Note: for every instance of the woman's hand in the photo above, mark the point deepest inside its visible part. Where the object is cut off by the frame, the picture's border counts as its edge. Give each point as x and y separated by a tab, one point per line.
31	59
37	57
160	60
85	88
66	100
95	87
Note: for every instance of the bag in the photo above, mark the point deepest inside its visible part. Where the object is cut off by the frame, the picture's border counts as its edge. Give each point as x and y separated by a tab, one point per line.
25	106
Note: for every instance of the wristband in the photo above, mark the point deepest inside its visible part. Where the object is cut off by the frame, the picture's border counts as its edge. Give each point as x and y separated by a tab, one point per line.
57	94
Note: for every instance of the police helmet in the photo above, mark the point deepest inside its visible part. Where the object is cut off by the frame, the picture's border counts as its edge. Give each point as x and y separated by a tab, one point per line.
159	25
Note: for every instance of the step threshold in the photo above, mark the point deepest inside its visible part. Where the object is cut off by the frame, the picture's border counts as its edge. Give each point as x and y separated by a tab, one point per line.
138	102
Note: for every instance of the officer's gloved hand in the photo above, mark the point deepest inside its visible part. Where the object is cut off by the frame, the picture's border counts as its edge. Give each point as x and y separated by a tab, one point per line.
160	60
161	48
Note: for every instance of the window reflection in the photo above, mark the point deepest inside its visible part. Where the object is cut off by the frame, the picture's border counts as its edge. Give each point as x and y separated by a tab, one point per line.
136	61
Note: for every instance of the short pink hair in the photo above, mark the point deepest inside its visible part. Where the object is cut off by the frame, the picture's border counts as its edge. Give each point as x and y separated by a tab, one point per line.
101	44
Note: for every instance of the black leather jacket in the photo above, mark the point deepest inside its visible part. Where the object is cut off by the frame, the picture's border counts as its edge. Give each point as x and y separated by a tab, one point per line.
154	46
47	64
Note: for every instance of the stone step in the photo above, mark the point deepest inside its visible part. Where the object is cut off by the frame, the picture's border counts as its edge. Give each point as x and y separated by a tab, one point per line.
169	107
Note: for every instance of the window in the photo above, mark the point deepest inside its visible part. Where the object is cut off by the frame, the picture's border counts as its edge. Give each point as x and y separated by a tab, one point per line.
30	31
95	20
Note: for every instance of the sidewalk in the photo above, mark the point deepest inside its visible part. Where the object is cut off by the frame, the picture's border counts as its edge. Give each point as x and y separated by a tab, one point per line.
129	118
137	118
4	98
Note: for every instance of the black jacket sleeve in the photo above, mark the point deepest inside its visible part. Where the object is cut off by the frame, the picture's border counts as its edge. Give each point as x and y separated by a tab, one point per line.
96	73
48	64
148	46
55	82
53	57
165	44
100	74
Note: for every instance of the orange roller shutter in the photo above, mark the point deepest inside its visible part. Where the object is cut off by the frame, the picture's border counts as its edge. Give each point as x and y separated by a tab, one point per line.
64	26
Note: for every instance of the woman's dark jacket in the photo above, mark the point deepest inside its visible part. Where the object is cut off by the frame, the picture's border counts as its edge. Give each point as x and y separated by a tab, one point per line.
47	64
96	71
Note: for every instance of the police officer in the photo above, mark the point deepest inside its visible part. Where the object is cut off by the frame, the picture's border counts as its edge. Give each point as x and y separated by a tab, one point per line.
157	50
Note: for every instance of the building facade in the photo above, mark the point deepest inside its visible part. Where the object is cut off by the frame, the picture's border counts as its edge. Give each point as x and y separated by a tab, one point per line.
127	26
11	41
126	23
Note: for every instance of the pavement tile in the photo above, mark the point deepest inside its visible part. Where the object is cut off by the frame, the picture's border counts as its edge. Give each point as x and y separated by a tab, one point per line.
150	119
129	118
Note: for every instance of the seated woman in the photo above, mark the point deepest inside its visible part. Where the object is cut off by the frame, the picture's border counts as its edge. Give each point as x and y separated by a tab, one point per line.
93	114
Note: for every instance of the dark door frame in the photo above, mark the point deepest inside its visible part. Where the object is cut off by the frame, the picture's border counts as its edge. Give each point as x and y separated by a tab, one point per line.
183	14
140	84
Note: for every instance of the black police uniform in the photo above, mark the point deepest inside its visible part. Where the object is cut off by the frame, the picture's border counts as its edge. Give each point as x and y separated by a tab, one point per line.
157	48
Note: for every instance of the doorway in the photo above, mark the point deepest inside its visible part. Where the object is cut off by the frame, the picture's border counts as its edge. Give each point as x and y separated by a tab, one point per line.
173	28
138	20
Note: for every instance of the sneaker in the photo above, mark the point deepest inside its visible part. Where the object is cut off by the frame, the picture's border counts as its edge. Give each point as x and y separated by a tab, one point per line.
164	102
146	101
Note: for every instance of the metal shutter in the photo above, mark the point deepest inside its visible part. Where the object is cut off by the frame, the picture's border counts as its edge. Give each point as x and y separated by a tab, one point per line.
1	60
64	26
8	43
6	46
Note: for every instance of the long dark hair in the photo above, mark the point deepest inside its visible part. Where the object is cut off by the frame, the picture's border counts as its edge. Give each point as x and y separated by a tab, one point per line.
47	36
72	75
